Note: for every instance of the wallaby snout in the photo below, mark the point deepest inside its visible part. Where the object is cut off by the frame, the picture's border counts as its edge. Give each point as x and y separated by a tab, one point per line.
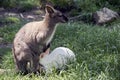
65	19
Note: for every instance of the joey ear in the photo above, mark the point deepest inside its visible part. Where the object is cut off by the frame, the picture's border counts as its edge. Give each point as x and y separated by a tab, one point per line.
49	9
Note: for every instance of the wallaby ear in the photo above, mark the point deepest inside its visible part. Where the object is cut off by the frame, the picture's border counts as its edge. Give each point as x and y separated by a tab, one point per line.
49	9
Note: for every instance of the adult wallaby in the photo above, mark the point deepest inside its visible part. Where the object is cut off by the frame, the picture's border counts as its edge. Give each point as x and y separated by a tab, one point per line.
34	38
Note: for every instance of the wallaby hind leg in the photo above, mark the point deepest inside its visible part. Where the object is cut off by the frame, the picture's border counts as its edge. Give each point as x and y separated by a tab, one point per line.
22	55
35	65
22	67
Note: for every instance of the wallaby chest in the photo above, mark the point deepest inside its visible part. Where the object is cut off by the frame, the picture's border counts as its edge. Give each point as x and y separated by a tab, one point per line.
49	35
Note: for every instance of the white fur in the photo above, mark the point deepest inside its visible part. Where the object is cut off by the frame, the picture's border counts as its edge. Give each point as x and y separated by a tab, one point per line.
58	59
48	40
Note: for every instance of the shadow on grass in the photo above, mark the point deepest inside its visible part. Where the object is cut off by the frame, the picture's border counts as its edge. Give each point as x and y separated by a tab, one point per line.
3	51
6	58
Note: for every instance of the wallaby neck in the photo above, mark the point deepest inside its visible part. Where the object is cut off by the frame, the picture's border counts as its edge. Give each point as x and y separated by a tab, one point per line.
48	21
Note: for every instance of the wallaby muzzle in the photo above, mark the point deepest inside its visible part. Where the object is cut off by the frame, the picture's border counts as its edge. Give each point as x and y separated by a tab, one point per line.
65	19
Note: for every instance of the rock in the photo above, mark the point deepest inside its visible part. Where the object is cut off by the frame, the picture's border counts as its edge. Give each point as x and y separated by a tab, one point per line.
10	14
1	8
104	15
1	39
30	17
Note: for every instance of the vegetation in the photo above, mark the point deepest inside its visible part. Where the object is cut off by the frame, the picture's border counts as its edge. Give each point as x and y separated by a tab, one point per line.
96	48
21	5
93	5
80	5
8	32
7	20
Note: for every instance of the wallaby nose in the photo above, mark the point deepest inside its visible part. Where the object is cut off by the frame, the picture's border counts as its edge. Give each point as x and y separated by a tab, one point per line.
65	18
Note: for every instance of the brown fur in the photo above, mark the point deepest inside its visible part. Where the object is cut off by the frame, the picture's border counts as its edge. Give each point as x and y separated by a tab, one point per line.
30	40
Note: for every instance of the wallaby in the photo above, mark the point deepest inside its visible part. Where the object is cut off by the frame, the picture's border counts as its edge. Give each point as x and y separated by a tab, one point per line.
34	38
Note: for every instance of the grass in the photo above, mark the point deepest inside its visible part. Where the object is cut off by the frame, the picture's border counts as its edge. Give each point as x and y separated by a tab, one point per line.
7	32
6	20
97	50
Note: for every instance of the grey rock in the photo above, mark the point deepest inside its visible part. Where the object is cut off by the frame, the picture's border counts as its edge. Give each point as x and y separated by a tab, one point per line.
105	15
1	39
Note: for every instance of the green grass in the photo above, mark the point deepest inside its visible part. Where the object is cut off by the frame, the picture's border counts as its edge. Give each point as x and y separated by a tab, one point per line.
7	32
97	50
6	20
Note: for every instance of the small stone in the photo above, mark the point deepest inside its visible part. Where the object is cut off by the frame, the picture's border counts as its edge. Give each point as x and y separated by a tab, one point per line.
30	17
